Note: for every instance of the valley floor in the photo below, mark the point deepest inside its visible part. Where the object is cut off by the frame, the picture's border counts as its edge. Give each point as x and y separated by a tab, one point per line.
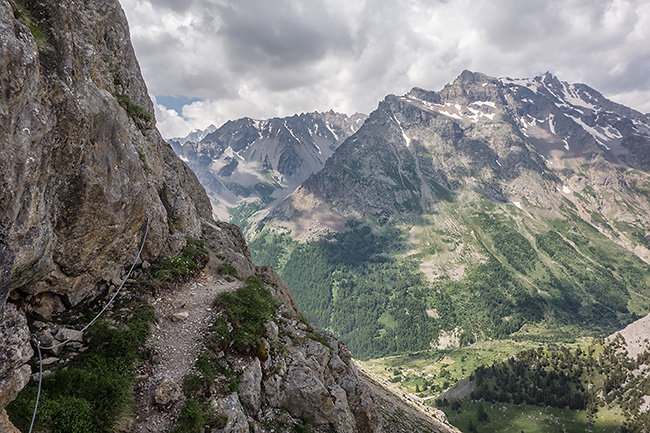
508	418
399	408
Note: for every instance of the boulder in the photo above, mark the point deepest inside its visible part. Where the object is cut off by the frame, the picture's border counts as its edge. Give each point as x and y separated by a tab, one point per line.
168	391
180	316
306	397
271	330
250	386
67	334
237	420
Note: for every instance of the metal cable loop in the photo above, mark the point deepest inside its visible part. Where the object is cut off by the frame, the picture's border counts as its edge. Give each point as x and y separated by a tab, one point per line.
40	378
38	343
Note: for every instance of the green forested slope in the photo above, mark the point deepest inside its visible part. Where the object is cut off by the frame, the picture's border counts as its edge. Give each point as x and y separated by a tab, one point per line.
366	285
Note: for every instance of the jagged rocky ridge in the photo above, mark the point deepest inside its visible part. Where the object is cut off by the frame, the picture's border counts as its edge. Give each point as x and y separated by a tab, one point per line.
497	137
83	171
194	136
259	161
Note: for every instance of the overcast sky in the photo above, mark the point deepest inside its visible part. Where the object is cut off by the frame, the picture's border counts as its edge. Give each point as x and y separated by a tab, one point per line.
208	61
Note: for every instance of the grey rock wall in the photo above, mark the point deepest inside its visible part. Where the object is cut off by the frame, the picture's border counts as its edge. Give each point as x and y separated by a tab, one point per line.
79	175
82	169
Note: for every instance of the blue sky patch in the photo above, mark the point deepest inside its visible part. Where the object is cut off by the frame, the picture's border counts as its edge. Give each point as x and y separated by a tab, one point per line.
175	102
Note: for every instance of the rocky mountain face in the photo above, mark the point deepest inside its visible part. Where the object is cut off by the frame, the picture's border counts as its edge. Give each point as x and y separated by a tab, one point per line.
83	168
534	191
255	162
510	141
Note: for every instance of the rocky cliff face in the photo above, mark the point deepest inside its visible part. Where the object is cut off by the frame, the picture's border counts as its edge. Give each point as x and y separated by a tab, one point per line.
82	168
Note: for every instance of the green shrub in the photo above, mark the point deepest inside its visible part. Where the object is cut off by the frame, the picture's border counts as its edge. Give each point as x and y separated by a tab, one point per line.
228	269
303	427
193	385
221	420
167	270
247	310
143	160
143	119
69	415
191	419
211	370
197	417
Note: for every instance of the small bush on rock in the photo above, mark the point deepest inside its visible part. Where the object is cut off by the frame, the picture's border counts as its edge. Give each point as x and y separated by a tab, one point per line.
247	310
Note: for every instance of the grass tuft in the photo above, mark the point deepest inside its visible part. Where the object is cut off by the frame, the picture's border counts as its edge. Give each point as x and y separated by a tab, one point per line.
142	118
95	390
168	270
247	310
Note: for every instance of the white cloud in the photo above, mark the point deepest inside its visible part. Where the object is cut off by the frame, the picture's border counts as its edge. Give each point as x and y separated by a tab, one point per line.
280	57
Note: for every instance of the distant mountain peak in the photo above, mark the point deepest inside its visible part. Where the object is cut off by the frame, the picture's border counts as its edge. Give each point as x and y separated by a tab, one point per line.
468	76
481	131
195	135
247	160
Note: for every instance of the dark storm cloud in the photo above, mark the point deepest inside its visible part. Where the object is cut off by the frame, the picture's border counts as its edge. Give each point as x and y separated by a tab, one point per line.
278	57
280	35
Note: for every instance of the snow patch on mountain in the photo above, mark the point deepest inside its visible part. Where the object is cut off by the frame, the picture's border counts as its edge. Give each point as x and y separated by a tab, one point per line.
528	83
481	103
573	97
452	115
551	125
406	139
598	136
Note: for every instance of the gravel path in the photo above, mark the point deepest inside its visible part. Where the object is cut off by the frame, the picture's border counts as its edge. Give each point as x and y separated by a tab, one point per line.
178	341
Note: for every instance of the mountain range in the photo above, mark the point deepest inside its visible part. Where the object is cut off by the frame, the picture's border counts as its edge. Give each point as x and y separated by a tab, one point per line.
249	163
494	207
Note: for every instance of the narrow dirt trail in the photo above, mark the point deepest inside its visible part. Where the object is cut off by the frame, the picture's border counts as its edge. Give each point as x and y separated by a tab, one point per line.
178	341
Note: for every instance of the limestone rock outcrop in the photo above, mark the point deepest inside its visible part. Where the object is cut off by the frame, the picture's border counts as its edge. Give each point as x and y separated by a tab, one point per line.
83	170
82	167
307	376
